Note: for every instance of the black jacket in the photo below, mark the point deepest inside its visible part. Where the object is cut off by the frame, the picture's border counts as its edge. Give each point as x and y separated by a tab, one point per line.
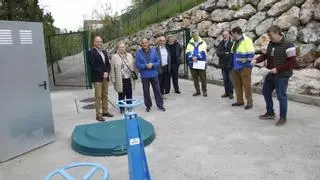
178	51
97	66
224	59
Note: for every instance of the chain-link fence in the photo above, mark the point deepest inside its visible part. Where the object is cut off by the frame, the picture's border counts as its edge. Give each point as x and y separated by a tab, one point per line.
67	59
141	15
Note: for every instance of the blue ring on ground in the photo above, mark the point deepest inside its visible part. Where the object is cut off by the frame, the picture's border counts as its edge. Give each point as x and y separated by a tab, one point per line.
95	167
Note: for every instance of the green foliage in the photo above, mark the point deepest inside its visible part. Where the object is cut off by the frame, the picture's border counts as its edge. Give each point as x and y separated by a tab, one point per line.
28	10
236	7
65	45
142	14
298	49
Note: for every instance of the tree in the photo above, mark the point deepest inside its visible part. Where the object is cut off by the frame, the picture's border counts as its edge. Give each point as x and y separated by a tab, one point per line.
28	10
144	2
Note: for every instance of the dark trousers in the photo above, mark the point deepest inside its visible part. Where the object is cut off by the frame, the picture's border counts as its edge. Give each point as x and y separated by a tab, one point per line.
174	72
280	85
227	81
127	91
196	74
156	90
164	80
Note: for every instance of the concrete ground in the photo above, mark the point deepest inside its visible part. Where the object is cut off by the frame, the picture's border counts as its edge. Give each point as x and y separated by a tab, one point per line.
197	139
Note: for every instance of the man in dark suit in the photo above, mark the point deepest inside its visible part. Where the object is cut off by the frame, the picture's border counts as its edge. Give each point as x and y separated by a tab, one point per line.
223	52
175	54
100	69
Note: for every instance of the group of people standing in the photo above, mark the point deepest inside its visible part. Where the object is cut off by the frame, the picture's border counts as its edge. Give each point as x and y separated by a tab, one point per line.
236	59
158	65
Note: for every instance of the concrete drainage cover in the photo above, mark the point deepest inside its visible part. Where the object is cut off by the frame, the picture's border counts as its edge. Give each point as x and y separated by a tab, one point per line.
88	100
88	106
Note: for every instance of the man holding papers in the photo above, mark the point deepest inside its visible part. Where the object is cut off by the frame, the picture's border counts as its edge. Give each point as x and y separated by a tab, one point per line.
197	60
281	58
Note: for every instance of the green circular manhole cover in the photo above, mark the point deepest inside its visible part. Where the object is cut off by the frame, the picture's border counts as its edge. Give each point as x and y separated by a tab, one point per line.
107	138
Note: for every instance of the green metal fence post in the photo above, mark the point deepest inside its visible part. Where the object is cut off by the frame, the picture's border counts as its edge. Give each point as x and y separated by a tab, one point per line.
85	37
140	13
118	27
51	60
109	32
128	18
157	10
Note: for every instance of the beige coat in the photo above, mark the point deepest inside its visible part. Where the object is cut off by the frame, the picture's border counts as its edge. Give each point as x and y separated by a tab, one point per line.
115	73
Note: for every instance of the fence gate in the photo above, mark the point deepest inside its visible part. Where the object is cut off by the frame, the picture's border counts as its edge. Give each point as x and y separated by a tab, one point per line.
68	60
183	37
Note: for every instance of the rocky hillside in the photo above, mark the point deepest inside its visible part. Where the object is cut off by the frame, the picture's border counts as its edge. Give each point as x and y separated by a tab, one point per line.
299	19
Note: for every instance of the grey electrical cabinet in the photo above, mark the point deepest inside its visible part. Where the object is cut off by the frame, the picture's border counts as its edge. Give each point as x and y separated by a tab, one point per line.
26	120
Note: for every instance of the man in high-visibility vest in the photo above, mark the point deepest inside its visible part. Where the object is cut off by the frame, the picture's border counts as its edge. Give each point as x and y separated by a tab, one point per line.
196	52
242	55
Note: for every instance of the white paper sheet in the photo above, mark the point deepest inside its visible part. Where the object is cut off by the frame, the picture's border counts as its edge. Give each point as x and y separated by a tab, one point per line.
263	72
199	65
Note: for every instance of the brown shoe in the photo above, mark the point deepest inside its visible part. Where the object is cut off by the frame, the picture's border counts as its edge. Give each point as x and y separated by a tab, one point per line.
100	118
267	116
248	106
237	104
282	121
196	94
225	95
107	114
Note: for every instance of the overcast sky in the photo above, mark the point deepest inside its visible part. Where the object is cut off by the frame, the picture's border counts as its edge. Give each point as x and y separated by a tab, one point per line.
70	14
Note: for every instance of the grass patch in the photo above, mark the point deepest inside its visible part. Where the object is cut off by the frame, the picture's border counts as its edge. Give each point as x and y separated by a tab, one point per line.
141	18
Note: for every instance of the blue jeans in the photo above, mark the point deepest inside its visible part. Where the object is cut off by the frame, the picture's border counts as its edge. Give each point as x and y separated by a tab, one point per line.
227	81
280	85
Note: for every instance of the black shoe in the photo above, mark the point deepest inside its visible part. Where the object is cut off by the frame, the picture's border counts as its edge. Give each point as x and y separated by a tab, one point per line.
166	93
178	92
121	111
237	104
148	109
162	109
225	95
282	121
100	118
107	114
231	96
205	94
196	94
267	116
248	106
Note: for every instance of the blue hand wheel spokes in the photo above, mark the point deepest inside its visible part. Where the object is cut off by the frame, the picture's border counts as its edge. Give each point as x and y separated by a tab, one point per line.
64	174
87	176
129	103
90	173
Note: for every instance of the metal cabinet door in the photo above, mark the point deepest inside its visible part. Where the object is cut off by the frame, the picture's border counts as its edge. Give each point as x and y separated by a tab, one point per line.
26	120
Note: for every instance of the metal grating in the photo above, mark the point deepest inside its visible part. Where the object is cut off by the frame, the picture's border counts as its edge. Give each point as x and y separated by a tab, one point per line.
5	36
25	36
88	106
